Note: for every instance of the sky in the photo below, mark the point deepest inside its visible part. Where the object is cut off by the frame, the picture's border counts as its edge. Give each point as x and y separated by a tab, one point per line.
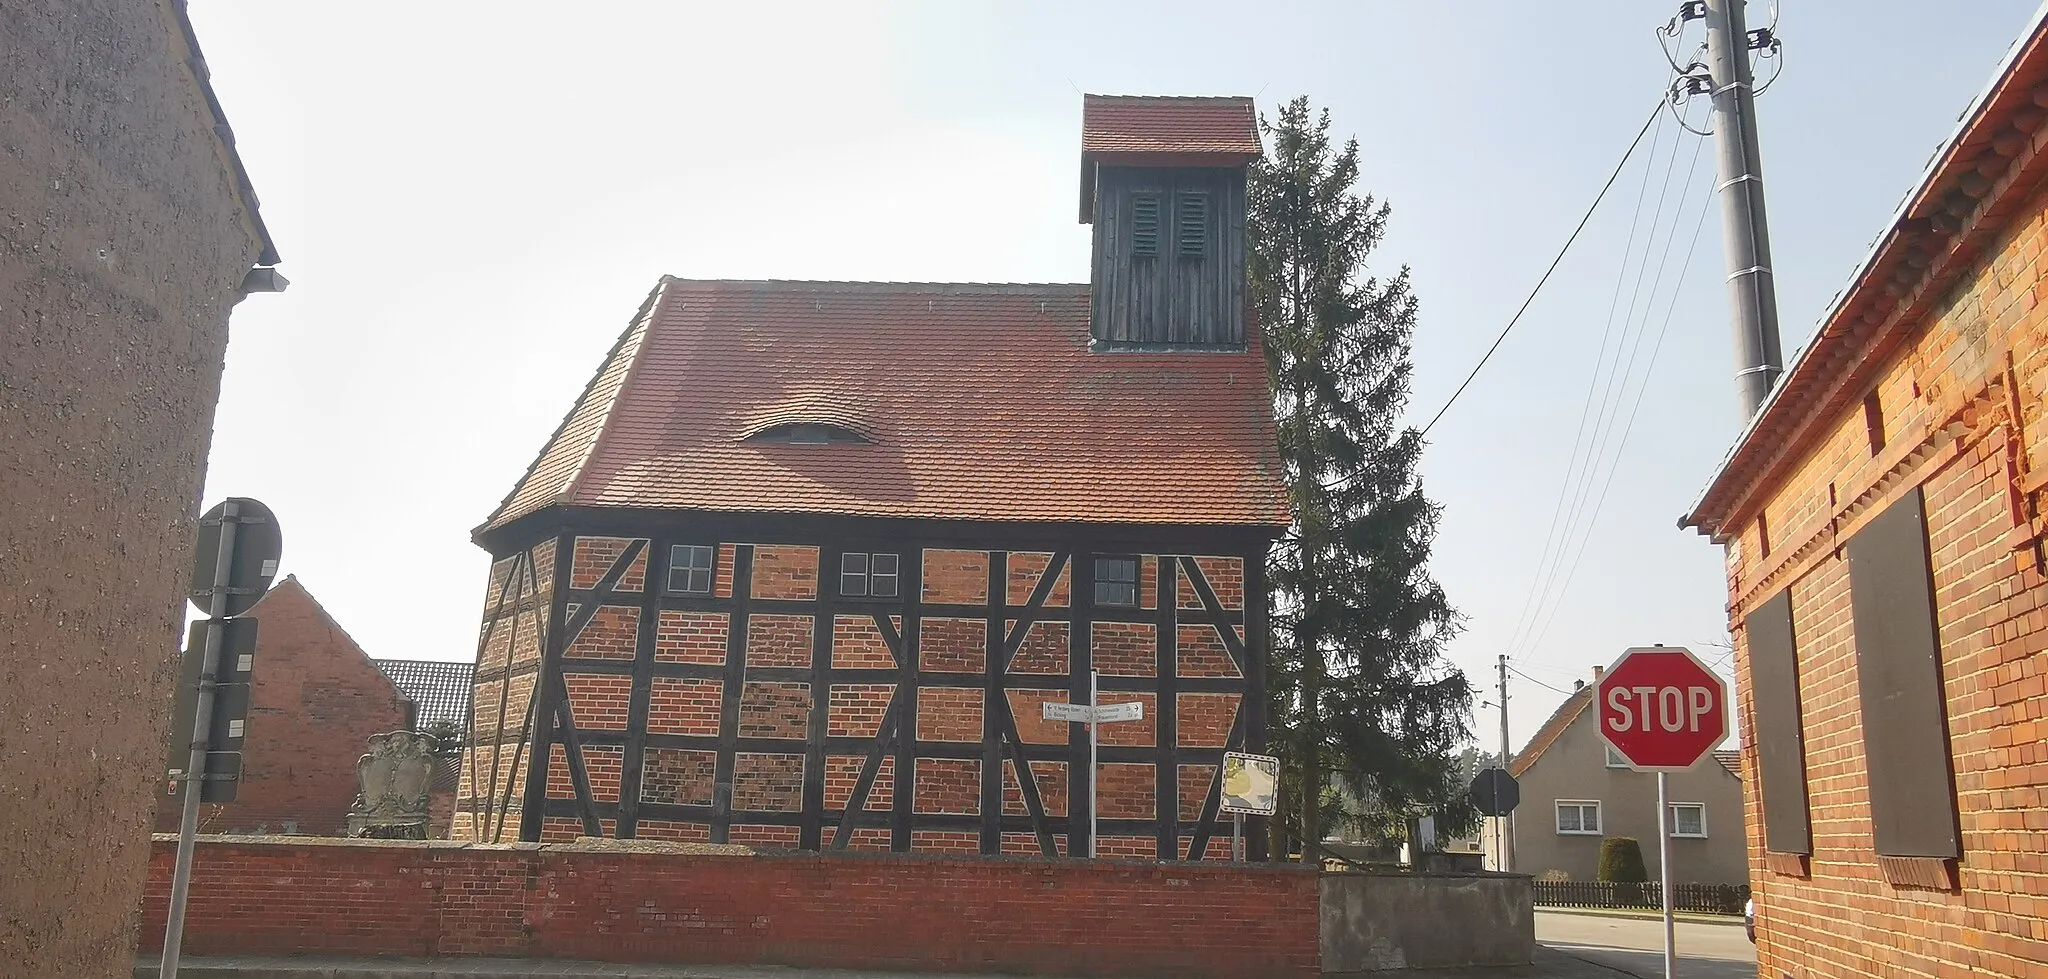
472	199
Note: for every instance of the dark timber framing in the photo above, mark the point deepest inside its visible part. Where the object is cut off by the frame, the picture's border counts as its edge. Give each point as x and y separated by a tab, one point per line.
1072	549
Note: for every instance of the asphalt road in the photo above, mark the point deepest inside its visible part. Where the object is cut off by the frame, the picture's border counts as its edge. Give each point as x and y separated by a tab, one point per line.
1636	945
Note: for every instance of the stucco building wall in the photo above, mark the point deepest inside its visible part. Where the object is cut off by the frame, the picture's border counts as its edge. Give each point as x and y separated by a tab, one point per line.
123	241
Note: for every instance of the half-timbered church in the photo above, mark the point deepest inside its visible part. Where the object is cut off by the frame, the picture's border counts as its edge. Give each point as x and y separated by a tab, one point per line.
804	561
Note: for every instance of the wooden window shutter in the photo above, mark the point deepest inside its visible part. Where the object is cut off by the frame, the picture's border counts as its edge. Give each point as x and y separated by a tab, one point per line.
1780	735
1898	674
1145	224
1194	225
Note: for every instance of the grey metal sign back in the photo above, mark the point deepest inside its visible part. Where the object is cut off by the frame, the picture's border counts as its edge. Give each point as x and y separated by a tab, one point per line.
1495	792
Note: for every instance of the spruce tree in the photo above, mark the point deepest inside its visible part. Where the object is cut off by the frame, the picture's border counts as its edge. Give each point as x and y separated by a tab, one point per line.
1361	689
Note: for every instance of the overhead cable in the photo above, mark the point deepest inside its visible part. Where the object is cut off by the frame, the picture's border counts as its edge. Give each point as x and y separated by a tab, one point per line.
1588	216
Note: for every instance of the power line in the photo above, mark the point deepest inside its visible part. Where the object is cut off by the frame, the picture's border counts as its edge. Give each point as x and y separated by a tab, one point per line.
1531	679
1613	391
1629	426
1517	318
1546	559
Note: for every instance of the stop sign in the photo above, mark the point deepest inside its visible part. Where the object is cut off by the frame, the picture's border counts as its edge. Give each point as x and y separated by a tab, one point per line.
1661	708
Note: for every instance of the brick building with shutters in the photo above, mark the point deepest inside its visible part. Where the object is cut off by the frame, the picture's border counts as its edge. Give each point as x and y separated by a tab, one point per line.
1883	520
805	559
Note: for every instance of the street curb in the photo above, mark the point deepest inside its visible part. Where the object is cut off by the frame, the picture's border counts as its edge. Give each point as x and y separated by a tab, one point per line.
1695	917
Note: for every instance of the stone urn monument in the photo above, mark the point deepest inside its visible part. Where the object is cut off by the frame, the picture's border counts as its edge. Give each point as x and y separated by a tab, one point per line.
392	783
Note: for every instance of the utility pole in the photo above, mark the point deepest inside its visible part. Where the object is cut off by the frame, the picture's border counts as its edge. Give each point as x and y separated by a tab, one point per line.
1746	235
1506	827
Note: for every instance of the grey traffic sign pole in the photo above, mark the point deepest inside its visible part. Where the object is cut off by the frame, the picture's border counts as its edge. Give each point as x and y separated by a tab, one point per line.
195	764
1093	714
1094	726
1664	871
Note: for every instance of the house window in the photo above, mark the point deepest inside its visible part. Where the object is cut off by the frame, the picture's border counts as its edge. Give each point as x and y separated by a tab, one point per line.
1578	817
1194	225
1145	224
868	575
1116	581
1614	758
689	568
1689	819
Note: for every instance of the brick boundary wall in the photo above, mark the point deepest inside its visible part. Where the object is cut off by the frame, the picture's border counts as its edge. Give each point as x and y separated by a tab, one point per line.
678	903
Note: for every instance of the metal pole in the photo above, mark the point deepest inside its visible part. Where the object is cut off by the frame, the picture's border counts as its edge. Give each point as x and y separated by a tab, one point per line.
1664	871
195	760
1506	826
1237	837
1094	726
1745	233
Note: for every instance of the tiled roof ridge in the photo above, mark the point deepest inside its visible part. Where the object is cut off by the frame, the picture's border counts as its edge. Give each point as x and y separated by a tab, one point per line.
1553	728
890	288
589	387
648	310
1171	98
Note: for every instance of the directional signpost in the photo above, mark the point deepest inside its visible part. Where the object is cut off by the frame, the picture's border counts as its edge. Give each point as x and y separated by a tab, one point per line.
1660	708
1495	793
1094	713
237	557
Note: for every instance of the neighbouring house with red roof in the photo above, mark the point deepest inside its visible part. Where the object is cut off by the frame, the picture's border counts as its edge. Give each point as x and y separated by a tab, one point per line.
1576	791
805	560
315	700
1884	525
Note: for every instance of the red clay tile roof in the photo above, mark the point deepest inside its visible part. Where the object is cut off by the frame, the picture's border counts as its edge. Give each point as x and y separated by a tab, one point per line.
1178	130
1730	760
1176	125
1552	729
984	403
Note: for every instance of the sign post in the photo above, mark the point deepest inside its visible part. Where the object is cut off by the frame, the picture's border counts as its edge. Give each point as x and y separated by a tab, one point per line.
1251	785
237	557
1094	713
1495	793
1660	708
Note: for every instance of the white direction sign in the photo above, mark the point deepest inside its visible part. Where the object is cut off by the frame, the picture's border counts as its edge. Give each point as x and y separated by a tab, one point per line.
1078	713
1084	714
1095	713
1133	711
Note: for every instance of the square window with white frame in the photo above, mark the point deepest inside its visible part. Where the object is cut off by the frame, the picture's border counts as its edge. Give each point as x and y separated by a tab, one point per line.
868	575
1689	819
1614	758
1578	817
690	568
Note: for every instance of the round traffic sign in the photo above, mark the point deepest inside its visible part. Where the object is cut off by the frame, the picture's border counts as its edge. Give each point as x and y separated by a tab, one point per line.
1661	708
251	559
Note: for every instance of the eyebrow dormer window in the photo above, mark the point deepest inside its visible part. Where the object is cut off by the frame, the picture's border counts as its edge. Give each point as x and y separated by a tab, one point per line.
808	433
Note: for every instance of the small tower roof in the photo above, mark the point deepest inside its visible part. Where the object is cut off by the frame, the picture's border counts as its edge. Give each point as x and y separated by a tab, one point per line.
1164	130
